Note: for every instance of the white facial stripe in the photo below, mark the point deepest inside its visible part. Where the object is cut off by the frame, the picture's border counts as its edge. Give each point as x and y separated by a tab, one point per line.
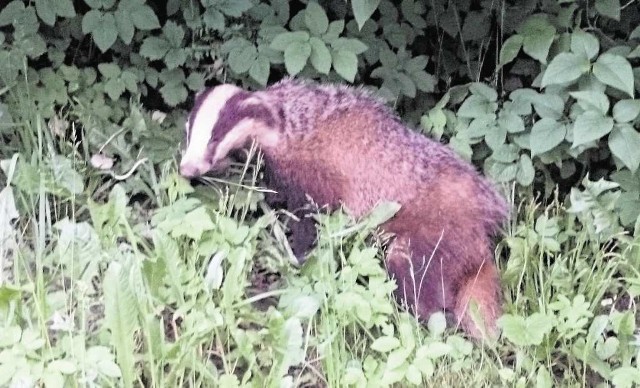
203	122
239	134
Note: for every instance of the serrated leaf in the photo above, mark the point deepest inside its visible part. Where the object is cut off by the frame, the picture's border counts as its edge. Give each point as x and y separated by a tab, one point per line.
316	18
154	48
241	59
320	55
349	44
296	56
345	64
144	18
363	9
174	33
124	25
526	172
590	126
213	19
625	111
424	81
510	49
259	70
565	67
546	134
105	32
407	86
174	93
614	71
526	331
385	344
624	143
109	70
235	8
195	81
609	8
584	44
285	39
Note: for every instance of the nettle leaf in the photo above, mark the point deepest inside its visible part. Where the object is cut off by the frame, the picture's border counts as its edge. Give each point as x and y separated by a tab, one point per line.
407	86
590	126
546	134
345	64
347	44
609	8
424	81
241	59
592	100
625	111
363	9
175	57
296	56
174	33
614	71
320	55
154	48
316	18
538	35
102	27
283	40
144	18
526	172
510	49
174	93
565	67
259	70
585	44
624	143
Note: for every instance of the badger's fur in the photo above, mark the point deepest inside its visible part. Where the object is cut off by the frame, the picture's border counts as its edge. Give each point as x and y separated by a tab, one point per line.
341	146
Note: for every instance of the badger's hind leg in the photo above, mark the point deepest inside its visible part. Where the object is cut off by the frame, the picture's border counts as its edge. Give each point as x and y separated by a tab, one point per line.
433	275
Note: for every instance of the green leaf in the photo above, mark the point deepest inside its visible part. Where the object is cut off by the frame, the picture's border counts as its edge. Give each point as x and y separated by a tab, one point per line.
105	32
363	9
90	21
548	105
348	44
174	33
195	81
320	55
296	56
46	12
124	25
624	143
511	122
241	59
476	106
213	19
526	331
235	8
64	8
565	67
592	100
109	70
510	49
144	18
11	12
175	57
154	48
346	64
284	40
590	126
483	90
526	172
174	93
505	153
609	8
316	18
538	35
584	44
625	111
546	134
614	71
385	344
260	69
424	81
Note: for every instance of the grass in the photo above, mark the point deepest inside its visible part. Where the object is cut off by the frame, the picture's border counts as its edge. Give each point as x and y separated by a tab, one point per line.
194	286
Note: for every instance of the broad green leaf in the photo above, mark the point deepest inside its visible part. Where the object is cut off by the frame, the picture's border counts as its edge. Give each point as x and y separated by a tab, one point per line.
565	67
316	18
90	21
614	71
548	105
505	153
363	9
241	59
174	33
584	44
64	8
495	136
424	81
590	126
538	35
625	111
259	70
109	70
546	134
124	25
105	31
407	86
154	48
609	8
503	172
213	19
592	100
195	81
175	57
385	344
624	143
483	90
526	331
283	40
144	18
511	122
10	12
320	55
476	106
510	49
296	56
235	8
174	93
46	12
526	172
347	44
345	64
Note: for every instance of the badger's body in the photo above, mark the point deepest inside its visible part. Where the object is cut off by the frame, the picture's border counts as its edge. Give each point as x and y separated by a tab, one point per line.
341	146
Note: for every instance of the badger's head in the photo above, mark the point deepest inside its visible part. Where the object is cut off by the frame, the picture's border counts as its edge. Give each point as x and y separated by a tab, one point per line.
224	119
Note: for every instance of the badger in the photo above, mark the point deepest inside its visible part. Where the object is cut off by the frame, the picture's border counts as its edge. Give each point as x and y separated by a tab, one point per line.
341	146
